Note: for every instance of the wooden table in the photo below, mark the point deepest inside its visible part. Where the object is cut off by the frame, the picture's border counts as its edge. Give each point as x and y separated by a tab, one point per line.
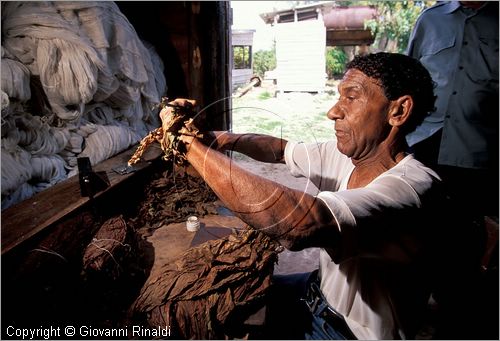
172	240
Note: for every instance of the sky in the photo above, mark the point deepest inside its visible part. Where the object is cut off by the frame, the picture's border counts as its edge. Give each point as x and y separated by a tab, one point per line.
246	16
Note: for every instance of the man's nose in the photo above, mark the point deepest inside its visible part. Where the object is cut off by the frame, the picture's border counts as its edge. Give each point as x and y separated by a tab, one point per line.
334	113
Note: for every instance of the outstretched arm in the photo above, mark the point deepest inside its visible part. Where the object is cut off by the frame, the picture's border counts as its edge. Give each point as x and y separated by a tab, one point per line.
297	219
259	147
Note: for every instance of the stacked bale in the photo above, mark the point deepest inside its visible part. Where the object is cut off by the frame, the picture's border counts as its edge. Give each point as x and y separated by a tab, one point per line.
76	81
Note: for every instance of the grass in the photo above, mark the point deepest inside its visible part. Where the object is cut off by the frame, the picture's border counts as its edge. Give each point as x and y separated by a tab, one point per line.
293	116
265	95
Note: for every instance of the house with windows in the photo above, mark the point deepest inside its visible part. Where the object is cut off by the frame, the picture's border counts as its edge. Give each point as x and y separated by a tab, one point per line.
242	41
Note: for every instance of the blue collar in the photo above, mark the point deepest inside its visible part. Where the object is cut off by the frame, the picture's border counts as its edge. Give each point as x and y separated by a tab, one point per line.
451	6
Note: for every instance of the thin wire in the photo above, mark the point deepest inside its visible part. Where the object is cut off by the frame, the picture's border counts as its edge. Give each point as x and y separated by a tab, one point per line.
51	253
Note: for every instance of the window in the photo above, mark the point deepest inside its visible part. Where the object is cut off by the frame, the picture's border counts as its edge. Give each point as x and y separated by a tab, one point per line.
242	56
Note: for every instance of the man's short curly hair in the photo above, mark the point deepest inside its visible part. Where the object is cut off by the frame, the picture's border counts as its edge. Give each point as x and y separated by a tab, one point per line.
400	75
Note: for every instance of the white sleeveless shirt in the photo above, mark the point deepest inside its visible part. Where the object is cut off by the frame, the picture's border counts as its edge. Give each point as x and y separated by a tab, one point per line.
377	278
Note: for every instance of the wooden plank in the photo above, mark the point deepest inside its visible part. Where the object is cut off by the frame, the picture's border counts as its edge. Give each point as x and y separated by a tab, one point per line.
300	56
241	76
242	37
172	240
349	37
29	217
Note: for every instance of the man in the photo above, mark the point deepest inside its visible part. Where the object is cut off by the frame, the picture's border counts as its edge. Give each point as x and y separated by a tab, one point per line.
372	216
458	43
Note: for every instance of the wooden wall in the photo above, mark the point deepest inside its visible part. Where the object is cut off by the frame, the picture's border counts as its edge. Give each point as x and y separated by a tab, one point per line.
300	56
242	37
241	76
193	38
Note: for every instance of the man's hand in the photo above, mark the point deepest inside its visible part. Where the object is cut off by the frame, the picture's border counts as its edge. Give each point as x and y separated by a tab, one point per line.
177	105
186	136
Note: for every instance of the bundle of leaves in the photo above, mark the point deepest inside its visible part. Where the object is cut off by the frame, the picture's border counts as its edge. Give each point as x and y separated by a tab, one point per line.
211	289
175	115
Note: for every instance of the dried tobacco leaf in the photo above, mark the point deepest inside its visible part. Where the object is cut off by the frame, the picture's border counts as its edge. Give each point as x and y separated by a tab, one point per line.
210	290
175	115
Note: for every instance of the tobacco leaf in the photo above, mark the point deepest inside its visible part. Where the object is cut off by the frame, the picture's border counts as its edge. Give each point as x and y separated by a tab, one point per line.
108	248
211	289
172	196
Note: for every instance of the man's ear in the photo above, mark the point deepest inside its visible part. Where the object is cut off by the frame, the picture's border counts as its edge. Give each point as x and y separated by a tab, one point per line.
400	110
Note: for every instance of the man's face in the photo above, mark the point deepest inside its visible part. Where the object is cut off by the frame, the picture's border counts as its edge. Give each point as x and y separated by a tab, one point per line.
360	115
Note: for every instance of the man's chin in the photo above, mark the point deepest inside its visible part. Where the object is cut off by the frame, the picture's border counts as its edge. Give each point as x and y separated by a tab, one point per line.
344	150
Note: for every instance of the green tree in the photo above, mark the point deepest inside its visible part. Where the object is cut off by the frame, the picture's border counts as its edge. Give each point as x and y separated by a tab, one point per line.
241	57
394	23
335	61
264	61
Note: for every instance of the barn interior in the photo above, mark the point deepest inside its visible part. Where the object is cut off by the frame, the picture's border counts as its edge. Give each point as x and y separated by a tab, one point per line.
91	249
45	277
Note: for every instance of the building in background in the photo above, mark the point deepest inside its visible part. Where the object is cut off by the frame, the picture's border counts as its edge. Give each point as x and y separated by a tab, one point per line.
302	35
242	42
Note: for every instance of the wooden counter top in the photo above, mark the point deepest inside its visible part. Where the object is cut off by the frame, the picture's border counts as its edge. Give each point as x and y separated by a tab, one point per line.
29	217
172	240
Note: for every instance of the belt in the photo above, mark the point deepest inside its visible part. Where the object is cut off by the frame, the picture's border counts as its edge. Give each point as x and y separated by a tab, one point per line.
319	308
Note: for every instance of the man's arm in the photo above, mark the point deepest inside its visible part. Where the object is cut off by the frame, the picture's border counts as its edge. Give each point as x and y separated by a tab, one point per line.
259	147
297	219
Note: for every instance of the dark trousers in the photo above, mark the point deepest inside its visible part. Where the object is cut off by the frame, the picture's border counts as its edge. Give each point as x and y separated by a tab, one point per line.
298	311
461	286
286	315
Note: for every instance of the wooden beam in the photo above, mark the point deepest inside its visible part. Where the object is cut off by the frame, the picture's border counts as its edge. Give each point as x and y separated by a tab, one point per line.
26	219
349	37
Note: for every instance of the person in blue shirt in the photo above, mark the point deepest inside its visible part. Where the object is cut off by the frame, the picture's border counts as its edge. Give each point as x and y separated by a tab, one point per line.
458	43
